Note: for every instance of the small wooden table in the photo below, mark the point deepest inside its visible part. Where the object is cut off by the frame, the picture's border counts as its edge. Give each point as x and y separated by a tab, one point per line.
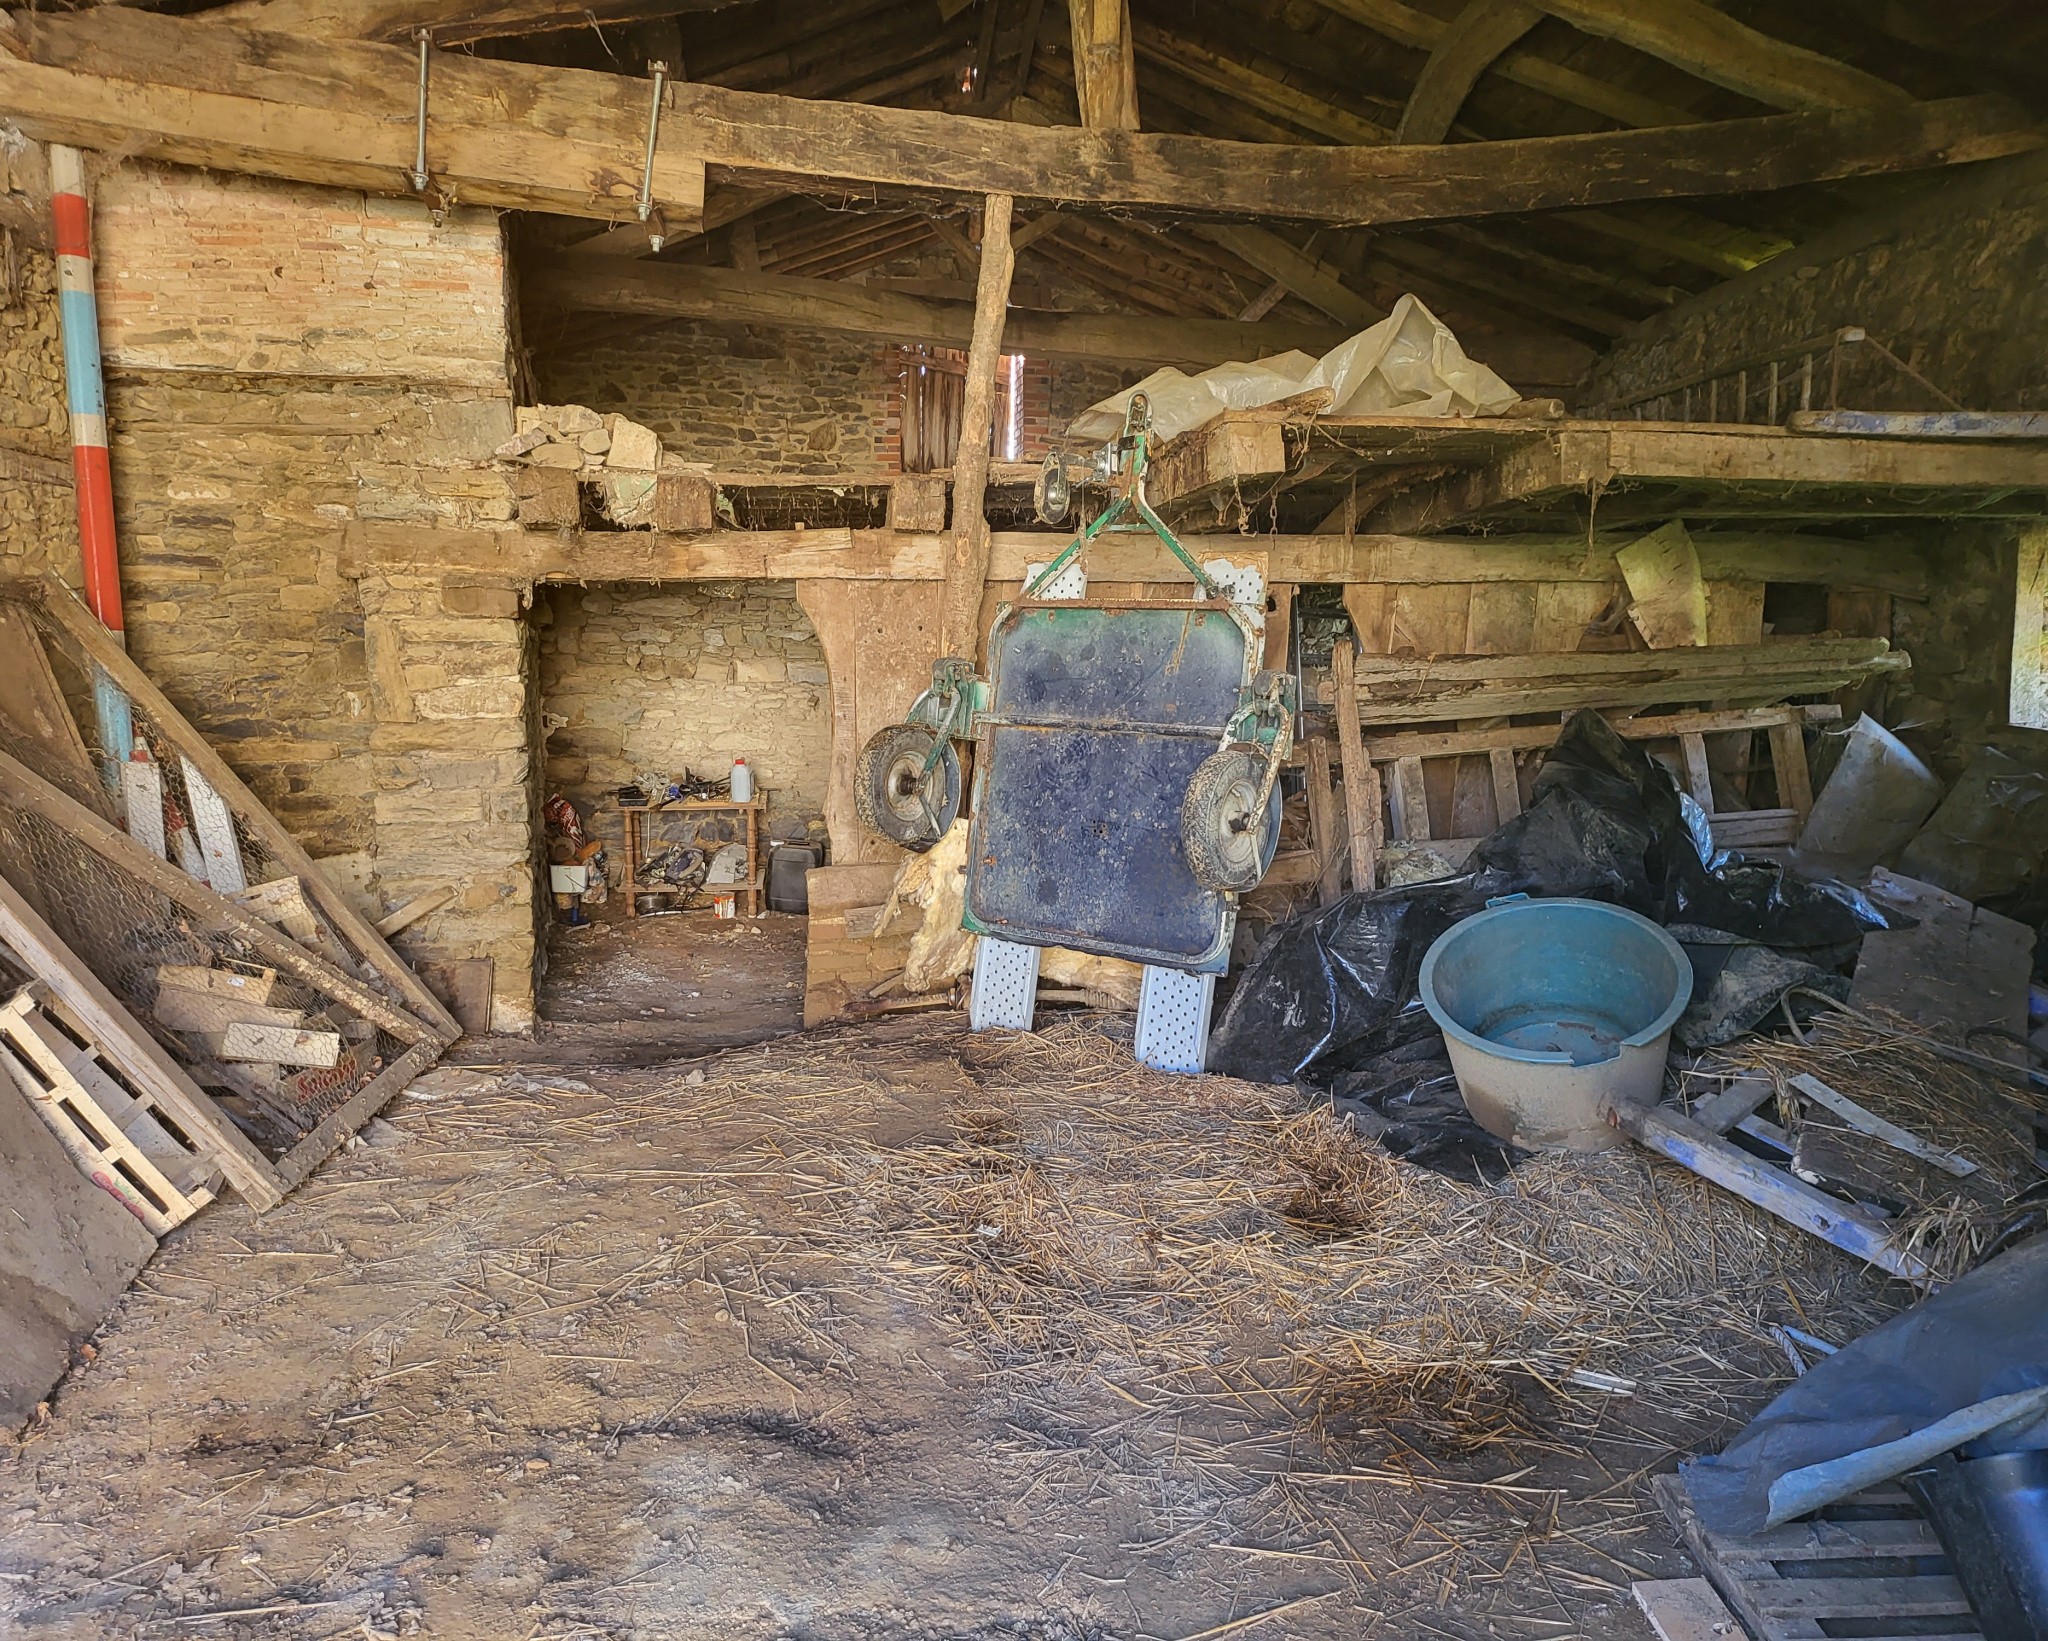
751	886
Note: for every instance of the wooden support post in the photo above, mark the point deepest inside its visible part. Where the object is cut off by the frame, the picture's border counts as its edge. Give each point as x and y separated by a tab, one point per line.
1331	844
1361	780
1105	71
967	565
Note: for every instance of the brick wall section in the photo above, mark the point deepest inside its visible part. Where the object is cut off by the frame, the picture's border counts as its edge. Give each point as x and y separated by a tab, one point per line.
1953	285
653	680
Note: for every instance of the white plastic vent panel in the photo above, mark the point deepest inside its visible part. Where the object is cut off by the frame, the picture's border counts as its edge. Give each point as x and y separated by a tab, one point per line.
1005	995
1173	1019
1243	585
1070	583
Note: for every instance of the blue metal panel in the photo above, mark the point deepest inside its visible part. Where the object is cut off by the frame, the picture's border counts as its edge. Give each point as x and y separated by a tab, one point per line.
1100	715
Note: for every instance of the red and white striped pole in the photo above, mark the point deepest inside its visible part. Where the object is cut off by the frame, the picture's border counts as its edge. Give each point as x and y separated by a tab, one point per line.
78	310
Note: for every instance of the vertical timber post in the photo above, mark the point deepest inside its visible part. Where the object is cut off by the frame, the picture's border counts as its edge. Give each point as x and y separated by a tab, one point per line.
967	563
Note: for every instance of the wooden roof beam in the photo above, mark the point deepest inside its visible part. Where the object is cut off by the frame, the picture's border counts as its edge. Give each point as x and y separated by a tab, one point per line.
453	22
1715	47
342	113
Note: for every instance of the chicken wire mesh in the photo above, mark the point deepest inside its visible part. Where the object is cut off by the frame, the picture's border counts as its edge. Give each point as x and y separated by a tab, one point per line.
162	957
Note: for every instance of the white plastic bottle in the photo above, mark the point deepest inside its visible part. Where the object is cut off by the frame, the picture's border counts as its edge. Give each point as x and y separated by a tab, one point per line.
742	782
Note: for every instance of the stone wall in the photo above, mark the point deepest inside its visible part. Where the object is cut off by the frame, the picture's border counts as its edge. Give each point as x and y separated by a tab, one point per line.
1951	283
282	362
767	401
38	522
639	680
773	401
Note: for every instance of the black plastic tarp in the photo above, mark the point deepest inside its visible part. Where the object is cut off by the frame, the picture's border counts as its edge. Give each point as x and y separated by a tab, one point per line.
1604	822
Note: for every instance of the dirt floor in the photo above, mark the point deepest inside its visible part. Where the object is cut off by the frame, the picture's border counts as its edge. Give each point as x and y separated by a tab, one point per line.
894	1332
625	991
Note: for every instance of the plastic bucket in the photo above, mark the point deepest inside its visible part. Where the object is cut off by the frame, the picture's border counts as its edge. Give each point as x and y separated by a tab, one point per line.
1554	1011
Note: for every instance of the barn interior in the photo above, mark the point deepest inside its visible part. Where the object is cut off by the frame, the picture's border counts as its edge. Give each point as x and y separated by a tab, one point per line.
1076	819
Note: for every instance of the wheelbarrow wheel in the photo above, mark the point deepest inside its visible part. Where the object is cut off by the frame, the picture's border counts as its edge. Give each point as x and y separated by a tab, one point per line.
1229	845
901	791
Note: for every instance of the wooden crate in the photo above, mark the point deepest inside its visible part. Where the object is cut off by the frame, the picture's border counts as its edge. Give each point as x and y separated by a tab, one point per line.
118	1140
1868	1565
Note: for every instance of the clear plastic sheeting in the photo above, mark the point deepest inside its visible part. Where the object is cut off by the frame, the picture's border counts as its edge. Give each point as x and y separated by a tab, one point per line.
1409	364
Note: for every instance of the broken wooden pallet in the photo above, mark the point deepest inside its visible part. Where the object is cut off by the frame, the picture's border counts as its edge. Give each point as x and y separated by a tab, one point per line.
1408	787
123	1144
1869	1565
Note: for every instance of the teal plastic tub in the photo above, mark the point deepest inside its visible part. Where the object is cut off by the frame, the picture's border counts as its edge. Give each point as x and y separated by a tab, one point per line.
1555	1011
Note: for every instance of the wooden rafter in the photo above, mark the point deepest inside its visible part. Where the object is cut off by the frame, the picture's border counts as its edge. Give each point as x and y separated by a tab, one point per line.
1105	76
1483	30
674	291
453	22
1714	46
342	113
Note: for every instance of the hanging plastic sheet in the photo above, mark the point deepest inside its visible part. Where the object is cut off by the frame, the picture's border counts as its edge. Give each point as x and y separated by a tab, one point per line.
1408	364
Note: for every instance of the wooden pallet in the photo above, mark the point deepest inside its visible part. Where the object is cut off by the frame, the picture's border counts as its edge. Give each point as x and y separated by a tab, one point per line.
121	1143
1867	1566
1408	794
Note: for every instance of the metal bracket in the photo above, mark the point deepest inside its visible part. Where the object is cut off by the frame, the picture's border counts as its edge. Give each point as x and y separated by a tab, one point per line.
645	203
1129	455
425	37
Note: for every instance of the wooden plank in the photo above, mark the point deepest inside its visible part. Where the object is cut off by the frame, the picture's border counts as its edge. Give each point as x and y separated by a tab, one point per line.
2028	699
140	1057
184	1010
967	563
213	910
1331	842
396	19
1667	594
281	1045
1411	802
371	1098
1507	784
1105	76
1869	1122
32	706
1720	1112
1931	1596
1394	690
1676	1136
1685	1609
216	830
412	911
1788	764
78	623
234	984
1699	780
142	804
1646	727
1361	780
670	290
1918	424
1279	627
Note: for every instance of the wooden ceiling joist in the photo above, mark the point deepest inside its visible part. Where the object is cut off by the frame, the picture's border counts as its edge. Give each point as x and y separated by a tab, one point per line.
571	141
453	22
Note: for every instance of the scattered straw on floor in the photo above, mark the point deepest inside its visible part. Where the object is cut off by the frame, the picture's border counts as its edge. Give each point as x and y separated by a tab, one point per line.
1281	1306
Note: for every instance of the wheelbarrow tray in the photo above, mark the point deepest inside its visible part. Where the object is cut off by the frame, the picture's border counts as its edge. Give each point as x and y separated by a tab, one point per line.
1099	714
